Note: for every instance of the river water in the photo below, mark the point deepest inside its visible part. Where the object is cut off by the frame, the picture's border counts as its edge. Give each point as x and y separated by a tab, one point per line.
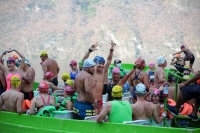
64	66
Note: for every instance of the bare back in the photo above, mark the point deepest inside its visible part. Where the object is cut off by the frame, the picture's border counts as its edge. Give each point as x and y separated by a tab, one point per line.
28	86
12	99
142	110
84	80
52	66
158	76
39	102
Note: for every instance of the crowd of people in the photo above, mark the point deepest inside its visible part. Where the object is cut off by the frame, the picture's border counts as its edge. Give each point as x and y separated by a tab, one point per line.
88	80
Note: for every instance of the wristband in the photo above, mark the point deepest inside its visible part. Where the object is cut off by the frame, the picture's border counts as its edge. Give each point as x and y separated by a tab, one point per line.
111	50
89	50
164	114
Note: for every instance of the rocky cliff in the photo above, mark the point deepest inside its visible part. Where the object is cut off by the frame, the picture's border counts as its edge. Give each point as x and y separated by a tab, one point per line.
66	28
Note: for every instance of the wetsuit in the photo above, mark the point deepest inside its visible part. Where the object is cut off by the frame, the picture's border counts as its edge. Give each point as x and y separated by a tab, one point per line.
55	81
72	75
189	56
1	88
109	90
134	88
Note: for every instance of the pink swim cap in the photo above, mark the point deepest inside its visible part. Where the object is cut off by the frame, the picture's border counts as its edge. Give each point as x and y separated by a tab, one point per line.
151	64
116	70
156	91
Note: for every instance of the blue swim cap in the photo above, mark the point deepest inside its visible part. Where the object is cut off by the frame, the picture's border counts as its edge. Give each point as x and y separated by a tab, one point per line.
99	59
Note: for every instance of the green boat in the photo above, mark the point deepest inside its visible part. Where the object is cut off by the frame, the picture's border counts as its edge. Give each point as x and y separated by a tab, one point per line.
15	123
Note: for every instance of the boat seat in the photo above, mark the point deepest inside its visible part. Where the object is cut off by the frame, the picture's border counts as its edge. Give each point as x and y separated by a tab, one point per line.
139	122
91	118
59	92
126	95
45	111
127	99
60	99
36	93
65	114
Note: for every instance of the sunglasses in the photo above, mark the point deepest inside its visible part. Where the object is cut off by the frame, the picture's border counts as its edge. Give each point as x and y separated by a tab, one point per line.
10	61
186	74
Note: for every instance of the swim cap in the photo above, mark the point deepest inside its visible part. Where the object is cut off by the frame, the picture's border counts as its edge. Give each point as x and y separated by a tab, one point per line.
140	88
99	59
65	76
73	62
139	62
182	46
43	87
80	63
15	56
186	77
26	61
69	82
151	64
15	81
11	59
156	92
88	63
117	91
178	55
69	90
117	61
161	60
116	70
48	75
186	67
44	53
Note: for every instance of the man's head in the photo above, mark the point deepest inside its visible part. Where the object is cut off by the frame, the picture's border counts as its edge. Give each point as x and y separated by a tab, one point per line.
80	64
43	55
182	46
177	56
117	92
117	63
48	76
116	74
65	77
161	61
140	63
73	65
43	87
140	90
15	82
99	63
11	63
88	66
26	61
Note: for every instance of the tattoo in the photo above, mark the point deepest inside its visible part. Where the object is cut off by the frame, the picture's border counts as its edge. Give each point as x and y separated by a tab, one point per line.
147	109
88	81
37	98
138	111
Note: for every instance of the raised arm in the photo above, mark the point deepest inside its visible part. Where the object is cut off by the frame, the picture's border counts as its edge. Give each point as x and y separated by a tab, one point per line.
91	49
2	67
156	113
22	56
109	59
173	62
125	78
192	80
178	52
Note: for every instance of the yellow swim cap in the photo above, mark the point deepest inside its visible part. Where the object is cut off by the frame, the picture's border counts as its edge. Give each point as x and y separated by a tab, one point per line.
44	53
186	67
117	91
186	77
15	81
70	82
65	76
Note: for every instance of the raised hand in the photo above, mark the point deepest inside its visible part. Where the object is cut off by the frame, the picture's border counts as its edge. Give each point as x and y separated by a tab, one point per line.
94	46
112	44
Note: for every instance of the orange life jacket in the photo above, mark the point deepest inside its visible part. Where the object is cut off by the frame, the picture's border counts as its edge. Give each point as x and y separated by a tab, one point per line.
26	105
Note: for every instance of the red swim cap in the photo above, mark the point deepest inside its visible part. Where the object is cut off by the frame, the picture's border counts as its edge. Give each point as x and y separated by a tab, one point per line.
139	62
182	46
69	90
48	75
11	59
43	87
198	81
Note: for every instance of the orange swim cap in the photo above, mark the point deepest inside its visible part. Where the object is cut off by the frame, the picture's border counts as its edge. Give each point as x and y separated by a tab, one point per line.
15	56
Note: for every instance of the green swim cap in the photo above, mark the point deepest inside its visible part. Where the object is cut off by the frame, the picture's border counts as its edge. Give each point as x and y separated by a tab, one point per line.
80	63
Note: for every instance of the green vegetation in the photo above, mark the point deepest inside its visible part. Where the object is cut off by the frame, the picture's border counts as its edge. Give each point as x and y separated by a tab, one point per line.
87	7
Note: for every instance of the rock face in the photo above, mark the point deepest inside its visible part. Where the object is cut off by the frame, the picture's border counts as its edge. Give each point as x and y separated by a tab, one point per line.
67	28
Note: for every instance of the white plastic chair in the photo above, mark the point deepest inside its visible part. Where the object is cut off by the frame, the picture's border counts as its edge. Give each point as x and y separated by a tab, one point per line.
126	95
91	118
127	99
104	97
139	122
59	92
62	114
